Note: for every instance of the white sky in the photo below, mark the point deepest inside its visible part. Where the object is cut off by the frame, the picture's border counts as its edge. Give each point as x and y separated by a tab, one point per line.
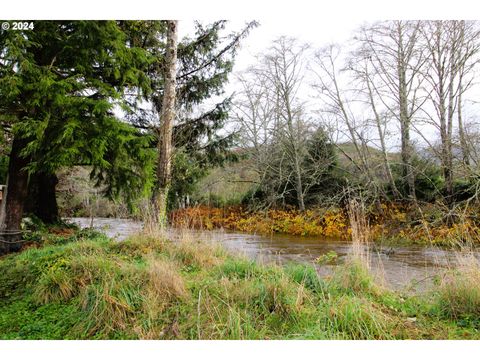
316	33
315	22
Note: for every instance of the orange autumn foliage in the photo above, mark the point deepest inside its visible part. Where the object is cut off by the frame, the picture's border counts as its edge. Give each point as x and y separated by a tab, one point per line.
394	221
332	223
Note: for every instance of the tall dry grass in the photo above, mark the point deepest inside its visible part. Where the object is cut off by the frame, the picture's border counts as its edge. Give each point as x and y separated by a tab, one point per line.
458	291
356	274
360	232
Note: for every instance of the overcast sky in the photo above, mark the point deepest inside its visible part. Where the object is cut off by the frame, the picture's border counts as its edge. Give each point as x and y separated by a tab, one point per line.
312	21
317	33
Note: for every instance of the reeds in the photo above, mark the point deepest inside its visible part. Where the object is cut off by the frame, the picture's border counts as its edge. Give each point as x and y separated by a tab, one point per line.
360	232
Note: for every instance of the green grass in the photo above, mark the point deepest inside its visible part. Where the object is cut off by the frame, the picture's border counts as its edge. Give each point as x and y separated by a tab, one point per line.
458	294
85	286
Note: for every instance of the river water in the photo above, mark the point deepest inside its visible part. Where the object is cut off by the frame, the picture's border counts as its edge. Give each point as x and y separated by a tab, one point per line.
409	268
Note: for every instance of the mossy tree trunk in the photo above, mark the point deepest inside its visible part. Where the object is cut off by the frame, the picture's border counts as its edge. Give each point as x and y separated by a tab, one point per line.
167	117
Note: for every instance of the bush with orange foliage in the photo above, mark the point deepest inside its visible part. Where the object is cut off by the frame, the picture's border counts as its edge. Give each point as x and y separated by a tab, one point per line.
393	221
330	223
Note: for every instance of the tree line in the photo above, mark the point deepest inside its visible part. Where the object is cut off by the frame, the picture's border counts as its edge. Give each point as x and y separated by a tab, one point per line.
392	110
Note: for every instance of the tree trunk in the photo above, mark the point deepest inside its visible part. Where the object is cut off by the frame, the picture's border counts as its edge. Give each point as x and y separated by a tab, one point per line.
11	211
165	147
296	154
406	149
406	154
381	136
42	201
299	185
444	139
461	130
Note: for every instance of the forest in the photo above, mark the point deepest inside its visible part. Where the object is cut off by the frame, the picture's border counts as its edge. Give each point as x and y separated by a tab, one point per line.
342	164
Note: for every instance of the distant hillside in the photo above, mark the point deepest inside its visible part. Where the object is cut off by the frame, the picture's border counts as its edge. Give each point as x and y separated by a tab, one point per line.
230	183
227	184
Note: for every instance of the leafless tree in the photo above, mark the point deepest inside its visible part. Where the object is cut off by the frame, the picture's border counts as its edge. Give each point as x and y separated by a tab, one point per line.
253	112
275	125
338	103
395	59
284	67
452	56
361	70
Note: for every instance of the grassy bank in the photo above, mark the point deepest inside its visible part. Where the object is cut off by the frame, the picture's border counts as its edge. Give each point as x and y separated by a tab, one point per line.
85	286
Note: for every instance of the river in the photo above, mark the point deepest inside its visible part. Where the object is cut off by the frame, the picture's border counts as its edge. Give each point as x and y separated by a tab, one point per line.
403	268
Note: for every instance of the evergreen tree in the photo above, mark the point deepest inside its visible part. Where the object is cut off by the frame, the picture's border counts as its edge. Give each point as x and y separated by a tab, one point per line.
71	75
59	86
204	63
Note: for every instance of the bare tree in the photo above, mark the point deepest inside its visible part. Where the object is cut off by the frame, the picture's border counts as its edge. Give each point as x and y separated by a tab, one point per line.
452	49
396	59
338	103
361	68
253	113
465	40
284	67
288	149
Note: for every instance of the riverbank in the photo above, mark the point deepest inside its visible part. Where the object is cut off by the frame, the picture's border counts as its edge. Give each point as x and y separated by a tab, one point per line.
83	285
409	268
388	224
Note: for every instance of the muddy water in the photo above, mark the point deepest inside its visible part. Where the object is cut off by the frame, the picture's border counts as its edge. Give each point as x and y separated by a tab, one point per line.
403	268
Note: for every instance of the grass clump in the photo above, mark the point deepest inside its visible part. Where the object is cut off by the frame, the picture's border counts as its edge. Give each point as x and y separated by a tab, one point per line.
54	287
240	268
164	280
357	318
306	275
354	277
196	254
458	291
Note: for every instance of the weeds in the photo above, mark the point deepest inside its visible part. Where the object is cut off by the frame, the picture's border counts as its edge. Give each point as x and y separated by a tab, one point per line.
349	317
